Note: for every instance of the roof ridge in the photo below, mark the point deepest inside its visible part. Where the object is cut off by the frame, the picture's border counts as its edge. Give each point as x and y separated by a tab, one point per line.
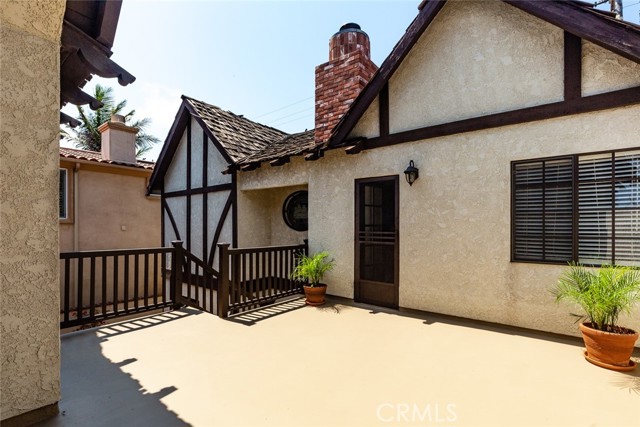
240	116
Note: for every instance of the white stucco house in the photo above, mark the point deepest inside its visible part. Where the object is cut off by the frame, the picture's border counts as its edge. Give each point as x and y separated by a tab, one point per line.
522	118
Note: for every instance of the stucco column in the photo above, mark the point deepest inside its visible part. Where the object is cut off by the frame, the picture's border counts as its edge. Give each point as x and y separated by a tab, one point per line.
29	291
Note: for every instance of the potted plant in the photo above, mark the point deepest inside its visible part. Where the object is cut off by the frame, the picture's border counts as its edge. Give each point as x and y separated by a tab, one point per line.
603	294
311	270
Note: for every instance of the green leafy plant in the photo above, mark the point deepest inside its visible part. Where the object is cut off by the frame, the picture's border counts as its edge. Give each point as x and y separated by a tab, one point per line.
603	294
87	136
312	269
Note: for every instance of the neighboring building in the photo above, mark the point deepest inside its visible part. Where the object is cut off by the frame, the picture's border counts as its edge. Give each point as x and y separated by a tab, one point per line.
103	201
49	50
522	118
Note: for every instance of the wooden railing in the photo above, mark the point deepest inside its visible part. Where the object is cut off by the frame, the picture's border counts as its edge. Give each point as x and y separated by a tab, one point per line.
98	285
199	282
253	277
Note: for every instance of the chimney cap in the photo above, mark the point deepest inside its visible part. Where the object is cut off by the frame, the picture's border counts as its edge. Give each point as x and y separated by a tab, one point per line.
117	118
350	26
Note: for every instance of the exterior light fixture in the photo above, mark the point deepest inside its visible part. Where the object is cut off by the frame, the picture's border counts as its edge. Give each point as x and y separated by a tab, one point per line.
411	173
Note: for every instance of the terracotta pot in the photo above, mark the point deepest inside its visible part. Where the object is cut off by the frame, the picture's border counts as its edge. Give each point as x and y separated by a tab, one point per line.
315	294
611	350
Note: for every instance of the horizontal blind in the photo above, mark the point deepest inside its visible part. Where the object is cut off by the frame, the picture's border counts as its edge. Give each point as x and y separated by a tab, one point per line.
627	208
543	206
595	207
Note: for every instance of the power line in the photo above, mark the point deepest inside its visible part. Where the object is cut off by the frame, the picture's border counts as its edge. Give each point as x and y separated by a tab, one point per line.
282	108
289	115
295	120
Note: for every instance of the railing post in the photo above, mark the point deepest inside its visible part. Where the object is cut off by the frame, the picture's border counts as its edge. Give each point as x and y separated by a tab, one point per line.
223	282
177	261
306	247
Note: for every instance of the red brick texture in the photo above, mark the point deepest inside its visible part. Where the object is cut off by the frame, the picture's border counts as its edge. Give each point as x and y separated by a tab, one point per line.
339	81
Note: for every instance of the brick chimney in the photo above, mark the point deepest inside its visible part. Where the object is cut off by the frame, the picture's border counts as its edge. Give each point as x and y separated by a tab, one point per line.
118	140
339	81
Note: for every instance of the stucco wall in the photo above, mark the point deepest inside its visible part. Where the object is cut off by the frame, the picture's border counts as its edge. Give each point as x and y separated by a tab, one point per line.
29	294
455	220
476	58
604	71
108	200
268	228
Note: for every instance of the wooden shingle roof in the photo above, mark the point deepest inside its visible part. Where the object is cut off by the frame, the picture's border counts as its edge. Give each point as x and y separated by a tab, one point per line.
239	136
279	151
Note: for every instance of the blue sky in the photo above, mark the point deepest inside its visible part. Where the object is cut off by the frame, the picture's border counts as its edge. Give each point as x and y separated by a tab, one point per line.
252	58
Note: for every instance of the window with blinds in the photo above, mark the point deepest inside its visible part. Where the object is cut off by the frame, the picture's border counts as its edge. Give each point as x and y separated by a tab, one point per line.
582	207
63	194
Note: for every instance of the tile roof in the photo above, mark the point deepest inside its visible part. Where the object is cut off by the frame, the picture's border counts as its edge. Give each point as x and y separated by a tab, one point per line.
240	137
95	156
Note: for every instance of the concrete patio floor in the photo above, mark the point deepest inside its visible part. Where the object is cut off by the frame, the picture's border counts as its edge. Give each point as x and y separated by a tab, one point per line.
338	365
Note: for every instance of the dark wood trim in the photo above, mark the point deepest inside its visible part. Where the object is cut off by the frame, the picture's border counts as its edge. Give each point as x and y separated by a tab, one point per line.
171	218
234	206
572	66
210	134
604	101
617	36
383	110
162	220
221	221
205	197
614	35
386	70
188	210
204	190
250	166
107	21
280	161
169	148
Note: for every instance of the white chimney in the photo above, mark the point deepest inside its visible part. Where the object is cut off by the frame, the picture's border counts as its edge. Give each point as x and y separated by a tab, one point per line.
118	140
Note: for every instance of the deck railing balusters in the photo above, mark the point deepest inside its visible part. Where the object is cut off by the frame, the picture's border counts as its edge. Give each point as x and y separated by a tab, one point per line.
102	284
251	277
126	284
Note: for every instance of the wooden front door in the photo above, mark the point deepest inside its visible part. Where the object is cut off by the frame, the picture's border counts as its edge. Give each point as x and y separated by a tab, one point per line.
376	241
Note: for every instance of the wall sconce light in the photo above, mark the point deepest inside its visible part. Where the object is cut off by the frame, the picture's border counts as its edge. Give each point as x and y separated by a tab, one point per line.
411	173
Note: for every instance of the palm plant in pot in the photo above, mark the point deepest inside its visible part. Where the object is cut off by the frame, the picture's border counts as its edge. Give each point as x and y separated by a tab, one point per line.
603	294
311	270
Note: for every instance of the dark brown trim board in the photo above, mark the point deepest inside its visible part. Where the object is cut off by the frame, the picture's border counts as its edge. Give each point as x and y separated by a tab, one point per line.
572	66
580	20
617	36
171	218
604	101
205	197
216	236
169	148
188	229
234	206
383	110
202	190
386	70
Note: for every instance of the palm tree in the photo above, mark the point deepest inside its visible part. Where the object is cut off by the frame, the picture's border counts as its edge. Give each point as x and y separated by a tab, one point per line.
87	136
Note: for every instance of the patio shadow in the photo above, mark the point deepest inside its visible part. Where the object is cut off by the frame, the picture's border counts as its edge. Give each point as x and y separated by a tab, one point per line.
252	317
97	392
